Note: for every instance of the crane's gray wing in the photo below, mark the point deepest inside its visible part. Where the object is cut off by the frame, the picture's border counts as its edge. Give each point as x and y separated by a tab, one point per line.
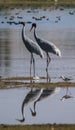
33	47
48	46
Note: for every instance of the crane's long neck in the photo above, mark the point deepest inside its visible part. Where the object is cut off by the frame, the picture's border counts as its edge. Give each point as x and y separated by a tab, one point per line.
23	34
35	35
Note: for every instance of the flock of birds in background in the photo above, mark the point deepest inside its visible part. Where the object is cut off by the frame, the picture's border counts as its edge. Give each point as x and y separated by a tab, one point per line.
10	19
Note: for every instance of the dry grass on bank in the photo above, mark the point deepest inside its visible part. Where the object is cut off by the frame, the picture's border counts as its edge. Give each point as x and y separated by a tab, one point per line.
16	82
38	127
35	3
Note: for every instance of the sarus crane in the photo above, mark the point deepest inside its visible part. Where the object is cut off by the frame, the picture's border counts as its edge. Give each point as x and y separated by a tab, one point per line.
32	47
46	46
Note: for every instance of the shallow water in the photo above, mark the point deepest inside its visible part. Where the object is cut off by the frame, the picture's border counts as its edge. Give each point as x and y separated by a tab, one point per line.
15	59
50	108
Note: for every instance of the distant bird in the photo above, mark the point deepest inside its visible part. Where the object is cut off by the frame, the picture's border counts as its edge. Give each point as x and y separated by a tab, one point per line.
58	17
71	13
67	95
32	47
46	46
65	78
45	93
31	96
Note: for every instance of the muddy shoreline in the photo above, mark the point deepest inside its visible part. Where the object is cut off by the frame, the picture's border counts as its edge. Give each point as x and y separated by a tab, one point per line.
17	82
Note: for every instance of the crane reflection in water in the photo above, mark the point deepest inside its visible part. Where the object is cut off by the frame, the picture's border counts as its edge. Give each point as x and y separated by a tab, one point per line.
46	92
35	95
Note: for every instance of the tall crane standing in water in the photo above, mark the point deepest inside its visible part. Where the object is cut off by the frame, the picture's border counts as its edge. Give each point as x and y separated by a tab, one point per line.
46	46
32	47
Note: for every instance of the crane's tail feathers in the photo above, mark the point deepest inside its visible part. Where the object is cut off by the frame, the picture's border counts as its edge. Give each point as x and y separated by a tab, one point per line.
42	55
58	52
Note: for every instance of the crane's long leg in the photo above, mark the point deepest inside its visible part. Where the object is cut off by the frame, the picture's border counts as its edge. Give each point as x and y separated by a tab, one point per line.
48	77
33	65
48	61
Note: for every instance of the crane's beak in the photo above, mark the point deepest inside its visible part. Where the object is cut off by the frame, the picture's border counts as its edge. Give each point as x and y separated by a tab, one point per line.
31	28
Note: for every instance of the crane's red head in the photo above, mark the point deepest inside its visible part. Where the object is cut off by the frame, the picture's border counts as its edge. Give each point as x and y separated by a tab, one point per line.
33	26
23	23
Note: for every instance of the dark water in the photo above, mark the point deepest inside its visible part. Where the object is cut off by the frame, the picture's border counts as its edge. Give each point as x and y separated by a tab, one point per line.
52	107
15	61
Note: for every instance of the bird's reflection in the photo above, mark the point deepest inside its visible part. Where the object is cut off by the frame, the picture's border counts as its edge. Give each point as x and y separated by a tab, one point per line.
36	95
67	94
46	92
31	96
